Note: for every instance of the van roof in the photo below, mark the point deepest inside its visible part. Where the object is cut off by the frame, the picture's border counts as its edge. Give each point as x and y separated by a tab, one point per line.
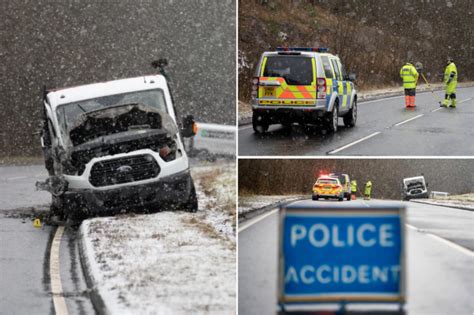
62	96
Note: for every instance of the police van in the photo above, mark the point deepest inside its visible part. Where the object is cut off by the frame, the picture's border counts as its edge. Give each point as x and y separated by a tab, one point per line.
302	85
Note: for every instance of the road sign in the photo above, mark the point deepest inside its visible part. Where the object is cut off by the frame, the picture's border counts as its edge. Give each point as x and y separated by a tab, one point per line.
341	252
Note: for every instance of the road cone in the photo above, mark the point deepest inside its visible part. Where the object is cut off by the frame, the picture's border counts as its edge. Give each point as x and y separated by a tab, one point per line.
37	223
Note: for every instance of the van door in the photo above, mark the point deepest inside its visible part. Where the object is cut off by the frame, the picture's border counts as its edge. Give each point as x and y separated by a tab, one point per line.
287	79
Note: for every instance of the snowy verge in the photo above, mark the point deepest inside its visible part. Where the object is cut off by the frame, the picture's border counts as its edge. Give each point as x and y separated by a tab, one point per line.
168	262
463	202
248	205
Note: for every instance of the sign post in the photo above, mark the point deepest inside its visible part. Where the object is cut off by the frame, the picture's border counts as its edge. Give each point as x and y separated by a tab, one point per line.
341	253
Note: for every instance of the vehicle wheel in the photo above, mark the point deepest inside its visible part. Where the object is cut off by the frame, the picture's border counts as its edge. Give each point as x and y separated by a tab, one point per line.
351	117
333	119
74	218
341	199
315	197
192	204
259	125
57	206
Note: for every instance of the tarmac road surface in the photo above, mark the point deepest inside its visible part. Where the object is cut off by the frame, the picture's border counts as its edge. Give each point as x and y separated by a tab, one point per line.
440	254
384	127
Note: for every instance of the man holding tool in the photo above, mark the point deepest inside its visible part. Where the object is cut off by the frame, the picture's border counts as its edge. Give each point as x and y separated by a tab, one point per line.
409	76
451	81
419	68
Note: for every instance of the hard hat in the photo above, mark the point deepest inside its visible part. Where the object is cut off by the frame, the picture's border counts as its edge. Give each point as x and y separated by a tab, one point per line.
449	59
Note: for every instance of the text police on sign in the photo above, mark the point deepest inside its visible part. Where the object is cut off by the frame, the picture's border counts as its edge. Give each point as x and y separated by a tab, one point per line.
341	252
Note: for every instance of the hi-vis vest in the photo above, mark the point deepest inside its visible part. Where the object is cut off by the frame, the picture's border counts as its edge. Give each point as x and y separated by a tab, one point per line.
409	76
368	187
353	186
451	68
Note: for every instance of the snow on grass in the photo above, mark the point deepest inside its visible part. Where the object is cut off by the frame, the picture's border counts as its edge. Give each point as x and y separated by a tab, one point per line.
465	201
169	262
255	202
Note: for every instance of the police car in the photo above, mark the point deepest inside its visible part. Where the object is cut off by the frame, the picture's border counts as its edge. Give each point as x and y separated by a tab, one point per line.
328	187
302	85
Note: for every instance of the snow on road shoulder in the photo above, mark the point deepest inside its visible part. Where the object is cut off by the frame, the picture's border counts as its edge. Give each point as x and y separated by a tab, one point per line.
465	201
255	202
168	262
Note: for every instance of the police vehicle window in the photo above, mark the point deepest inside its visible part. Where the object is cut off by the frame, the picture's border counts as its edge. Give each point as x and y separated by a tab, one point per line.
336	69
327	68
296	70
343	70
327	181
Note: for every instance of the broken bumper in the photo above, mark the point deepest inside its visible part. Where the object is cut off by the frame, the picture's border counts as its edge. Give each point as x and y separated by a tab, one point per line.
174	189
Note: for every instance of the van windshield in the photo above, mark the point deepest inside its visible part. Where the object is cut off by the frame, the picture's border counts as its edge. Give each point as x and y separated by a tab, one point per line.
296	70
69	113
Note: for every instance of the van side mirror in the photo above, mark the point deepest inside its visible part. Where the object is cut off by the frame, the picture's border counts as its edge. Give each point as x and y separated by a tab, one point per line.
189	127
351	77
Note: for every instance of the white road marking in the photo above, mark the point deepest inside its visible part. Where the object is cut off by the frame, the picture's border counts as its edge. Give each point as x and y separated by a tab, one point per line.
460	102
467	99
381	99
17	177
257	219
245	127
445	241
405	121
59	302
353	143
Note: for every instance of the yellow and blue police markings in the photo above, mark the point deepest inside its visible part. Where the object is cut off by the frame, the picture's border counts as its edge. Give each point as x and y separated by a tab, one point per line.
334	255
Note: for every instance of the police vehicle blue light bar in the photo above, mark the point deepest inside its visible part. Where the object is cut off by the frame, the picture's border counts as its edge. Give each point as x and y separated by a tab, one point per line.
314	49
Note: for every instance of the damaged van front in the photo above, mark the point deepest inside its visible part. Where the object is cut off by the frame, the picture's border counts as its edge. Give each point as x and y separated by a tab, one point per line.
114	146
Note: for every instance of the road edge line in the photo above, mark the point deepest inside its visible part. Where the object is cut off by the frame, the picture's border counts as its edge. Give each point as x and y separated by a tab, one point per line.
95	297
354	143
410	119
60	307
257	219
443	240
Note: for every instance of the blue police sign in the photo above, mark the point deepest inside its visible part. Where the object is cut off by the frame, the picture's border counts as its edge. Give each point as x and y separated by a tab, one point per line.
334	252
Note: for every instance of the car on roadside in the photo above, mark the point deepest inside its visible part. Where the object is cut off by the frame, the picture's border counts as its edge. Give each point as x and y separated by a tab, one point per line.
414	187
302	85
345	182
328	187
114	146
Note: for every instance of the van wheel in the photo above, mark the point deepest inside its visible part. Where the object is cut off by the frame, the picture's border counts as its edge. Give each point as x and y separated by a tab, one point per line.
258	124
315	197
351	117
57	206
333	119
341	199
192	204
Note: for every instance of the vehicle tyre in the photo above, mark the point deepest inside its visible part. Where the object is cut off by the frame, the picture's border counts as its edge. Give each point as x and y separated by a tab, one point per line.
57	206
315	197
259	125
340	198
333	119
351	117
192	204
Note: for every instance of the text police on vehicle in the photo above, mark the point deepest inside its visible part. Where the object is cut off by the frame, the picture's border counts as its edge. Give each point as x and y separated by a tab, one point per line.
341	253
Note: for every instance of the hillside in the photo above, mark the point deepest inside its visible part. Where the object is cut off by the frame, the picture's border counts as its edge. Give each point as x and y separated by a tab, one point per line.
373	38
